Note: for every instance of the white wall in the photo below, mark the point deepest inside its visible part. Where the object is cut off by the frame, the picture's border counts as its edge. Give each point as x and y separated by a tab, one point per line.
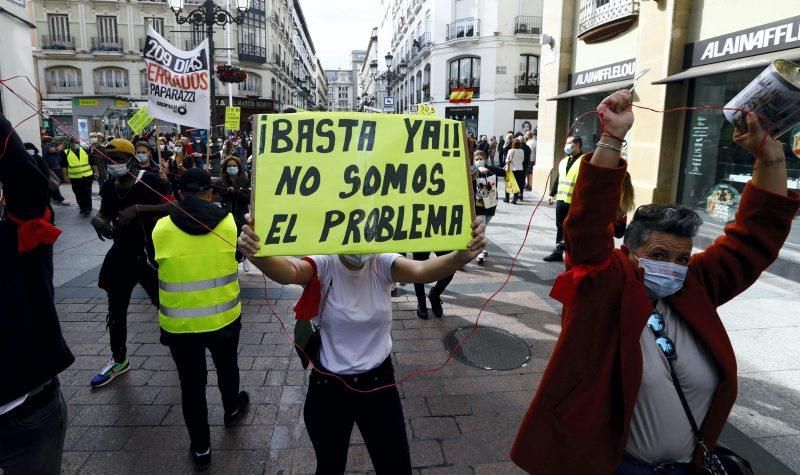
16	58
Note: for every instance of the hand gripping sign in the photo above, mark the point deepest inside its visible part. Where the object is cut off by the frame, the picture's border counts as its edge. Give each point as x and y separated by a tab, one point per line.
354	183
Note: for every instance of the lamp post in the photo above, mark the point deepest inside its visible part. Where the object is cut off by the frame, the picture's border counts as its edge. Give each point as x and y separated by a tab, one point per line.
389	75
207	15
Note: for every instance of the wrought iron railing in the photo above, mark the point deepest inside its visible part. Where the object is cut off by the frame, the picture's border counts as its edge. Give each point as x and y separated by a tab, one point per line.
528	25
249	89
101	88
526	83
62	87
474	83
252	53
110	44
594	13
463	28
58	42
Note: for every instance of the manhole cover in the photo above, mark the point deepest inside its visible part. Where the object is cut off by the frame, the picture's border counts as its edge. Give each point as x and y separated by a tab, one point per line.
488	348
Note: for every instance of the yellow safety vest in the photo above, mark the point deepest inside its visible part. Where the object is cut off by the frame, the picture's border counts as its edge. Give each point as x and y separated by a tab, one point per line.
198	285
78	165
567	179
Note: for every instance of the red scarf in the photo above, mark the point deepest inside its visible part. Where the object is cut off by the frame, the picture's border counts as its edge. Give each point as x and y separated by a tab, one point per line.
32	232
566	283
308	305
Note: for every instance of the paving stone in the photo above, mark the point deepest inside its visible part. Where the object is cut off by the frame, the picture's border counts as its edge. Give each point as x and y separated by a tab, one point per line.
434	428
163	437
449	405
71	461
142	415
265	414
104	438
426	453
118	462
164	461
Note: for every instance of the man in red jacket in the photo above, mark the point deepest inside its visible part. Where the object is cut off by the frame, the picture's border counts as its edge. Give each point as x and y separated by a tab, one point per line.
639	316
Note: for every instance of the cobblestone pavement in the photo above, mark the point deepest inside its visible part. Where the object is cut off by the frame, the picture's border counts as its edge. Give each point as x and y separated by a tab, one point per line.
459	419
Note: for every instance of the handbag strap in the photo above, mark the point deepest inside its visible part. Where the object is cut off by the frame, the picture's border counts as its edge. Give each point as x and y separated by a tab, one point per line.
698	437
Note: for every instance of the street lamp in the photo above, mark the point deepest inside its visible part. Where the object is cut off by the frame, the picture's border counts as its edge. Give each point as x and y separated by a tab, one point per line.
390	75
207	15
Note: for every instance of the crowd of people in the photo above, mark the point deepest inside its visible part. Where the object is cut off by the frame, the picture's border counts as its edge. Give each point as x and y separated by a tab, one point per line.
641	381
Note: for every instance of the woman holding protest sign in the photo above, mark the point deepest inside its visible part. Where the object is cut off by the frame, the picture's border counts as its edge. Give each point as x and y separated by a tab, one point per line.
350	294
484	190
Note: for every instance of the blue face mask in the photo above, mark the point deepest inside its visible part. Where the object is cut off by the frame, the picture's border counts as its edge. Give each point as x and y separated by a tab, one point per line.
232	171
357	260
662	279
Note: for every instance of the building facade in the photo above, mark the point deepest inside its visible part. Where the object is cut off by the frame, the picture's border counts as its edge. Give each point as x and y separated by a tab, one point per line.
16	60
89	53
436	46
697	53
321	87
342	89
357	60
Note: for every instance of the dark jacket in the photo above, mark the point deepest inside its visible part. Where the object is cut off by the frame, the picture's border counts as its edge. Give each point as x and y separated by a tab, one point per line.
32	348
237	202
579	420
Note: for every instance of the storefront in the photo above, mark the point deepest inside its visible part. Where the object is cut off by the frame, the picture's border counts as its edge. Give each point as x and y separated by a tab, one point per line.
58	116
586	90
525	121
714	170
468	114
250	106
107	114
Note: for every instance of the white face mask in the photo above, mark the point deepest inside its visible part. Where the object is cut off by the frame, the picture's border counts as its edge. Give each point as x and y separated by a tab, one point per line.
357	260
232	171
480	163
117	169
31	152
662	279
161	147
568	149
94	139
179	149
142	157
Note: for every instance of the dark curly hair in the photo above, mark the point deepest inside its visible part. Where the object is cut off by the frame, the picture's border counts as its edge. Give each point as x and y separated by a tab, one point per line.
677	220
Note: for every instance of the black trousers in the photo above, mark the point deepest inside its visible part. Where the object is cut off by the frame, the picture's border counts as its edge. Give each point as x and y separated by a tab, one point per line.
55	195
82	187
189	353
562	209
519	175
118	277
437	289
331	409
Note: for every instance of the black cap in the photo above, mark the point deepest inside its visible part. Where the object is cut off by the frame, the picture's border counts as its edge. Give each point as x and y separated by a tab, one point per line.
195	179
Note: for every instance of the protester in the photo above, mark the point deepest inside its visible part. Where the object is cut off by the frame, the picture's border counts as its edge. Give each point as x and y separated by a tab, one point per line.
79	169
52	157
504	147
145	159
98	143
484	191
492	150
129	206
435	294
33	414
199	152
531	143
562	185
645	315
526	163
52	180
514	162
356	345
626	206
200	306
235	190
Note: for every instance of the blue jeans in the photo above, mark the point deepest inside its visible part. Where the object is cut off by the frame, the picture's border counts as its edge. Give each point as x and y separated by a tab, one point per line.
633	466
33	441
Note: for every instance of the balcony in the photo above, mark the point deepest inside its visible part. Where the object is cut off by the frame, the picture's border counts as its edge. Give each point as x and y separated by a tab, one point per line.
464	28
64	87
528	25
474	83
600	20
252	53
106	44
111	88
245	89
526	84
58	43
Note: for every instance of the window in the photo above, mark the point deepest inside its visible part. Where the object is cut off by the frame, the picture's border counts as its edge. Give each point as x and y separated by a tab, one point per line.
344	92
465	72
107	29
273	86
251	86
58	27
528	79
143	82
156	23
64	80
111	81
253	37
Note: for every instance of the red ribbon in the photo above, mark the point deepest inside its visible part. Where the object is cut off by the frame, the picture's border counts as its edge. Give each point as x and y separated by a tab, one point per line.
33	232
308	305
567	282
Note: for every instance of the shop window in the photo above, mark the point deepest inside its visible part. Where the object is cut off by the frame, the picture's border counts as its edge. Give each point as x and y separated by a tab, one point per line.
714	169
465	72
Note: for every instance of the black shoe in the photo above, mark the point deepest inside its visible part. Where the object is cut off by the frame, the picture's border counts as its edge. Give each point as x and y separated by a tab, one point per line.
514	202
555	256
201	462
422	313
232	419
506	200
436	305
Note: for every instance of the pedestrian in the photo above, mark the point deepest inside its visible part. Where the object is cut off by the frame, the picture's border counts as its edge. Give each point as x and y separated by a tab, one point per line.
484	191
52	180
146	160
561	188
435	295
514	162
531	143
526	163
33	414
79	169
626	206
199	152
235	190
97	144
128	210
355	324
52	157
643	357
504	148
492	150
199	306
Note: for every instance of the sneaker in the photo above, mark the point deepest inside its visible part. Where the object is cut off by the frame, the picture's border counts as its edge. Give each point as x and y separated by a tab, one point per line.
201	460
232	419
555	256
111	370
481	259
436	305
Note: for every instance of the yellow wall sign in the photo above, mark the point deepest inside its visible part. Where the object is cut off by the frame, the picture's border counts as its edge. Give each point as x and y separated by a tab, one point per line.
348	182
121	104
87	102
232	117
140	120
424	108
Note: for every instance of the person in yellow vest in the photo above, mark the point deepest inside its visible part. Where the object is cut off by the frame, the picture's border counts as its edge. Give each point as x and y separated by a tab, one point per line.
199	305
562	185
79	169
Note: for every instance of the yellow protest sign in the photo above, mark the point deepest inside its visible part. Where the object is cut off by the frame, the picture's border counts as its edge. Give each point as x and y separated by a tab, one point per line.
424	108
232	117
348	182
140	120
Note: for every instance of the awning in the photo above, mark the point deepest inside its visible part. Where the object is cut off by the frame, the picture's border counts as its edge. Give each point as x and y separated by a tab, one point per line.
731	65
607	87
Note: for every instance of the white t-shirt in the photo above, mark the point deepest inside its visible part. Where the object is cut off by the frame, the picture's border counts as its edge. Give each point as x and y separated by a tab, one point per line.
357	314
516	156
